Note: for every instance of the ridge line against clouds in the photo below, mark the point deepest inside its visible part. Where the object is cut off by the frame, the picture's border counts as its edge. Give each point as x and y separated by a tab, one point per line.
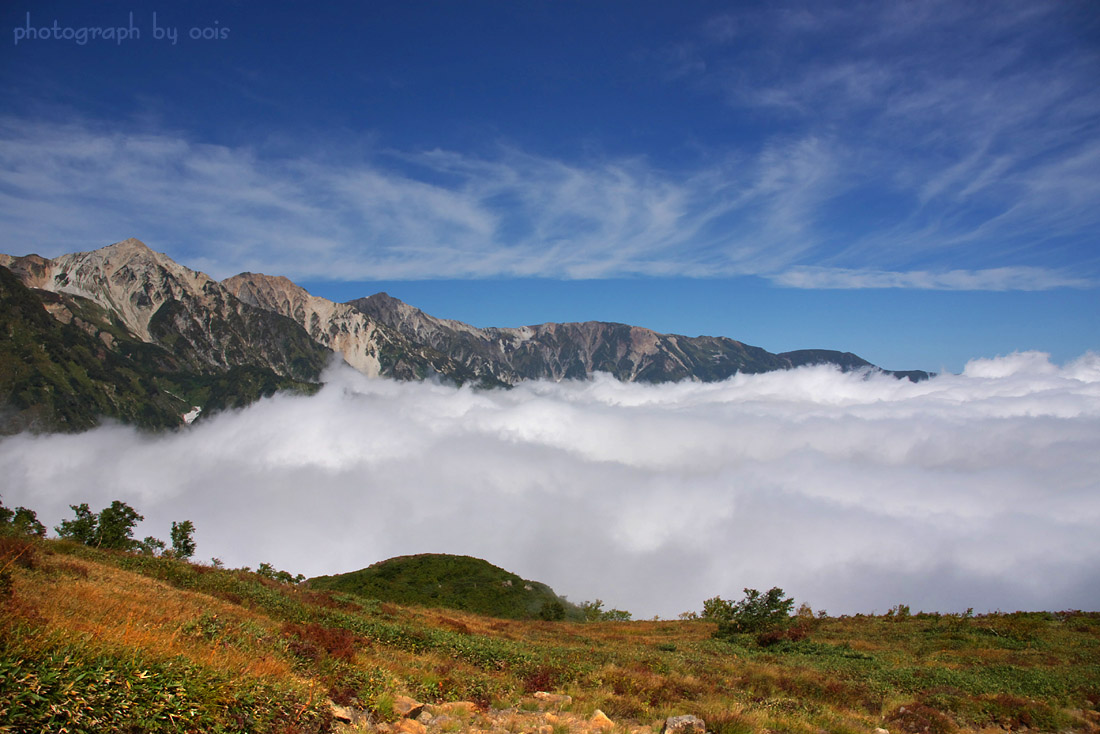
446	214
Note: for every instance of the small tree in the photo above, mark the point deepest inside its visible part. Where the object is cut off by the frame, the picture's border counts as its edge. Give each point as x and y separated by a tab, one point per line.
116	526
83	529
183	541
594	612
268	571
25	522
286	578
717	608
757	612
552	611
151	546
617	615
113	528
20	521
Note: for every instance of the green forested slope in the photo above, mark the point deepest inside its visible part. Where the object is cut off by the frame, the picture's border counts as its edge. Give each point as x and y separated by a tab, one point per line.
453	582
57	376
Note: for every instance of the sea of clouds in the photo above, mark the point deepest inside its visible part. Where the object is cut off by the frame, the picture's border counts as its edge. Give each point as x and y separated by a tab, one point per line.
852	492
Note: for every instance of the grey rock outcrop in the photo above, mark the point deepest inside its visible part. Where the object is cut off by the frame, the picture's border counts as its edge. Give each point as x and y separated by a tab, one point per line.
684	725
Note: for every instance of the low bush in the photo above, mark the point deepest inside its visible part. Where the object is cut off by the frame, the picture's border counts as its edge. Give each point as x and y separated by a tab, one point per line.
771	637
311	640
919	718
755	613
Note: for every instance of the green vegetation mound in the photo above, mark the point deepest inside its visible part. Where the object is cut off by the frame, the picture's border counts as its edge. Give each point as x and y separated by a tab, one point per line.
452	582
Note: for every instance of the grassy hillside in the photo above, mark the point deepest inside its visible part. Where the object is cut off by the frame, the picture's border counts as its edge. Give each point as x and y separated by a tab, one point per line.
452	582
99	641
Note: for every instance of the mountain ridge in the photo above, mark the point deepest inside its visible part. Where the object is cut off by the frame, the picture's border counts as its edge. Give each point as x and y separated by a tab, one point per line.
575	350
162	302
370	346
169	324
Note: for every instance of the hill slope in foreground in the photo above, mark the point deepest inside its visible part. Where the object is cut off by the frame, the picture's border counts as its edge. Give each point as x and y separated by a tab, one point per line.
452	582
98	641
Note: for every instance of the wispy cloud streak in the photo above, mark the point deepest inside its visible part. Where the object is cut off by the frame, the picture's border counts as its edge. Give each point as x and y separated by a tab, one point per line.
967	155
993	279
866	144
396	215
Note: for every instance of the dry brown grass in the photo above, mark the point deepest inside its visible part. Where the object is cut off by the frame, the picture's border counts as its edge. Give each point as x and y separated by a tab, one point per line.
116	609
636	672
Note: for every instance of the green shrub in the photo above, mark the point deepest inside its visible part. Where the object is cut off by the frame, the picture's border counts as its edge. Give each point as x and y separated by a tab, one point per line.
112	528
754	614
183	541
20	521
552	611
594	612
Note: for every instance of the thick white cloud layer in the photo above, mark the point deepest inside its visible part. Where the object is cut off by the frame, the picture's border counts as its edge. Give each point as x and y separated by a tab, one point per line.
853	493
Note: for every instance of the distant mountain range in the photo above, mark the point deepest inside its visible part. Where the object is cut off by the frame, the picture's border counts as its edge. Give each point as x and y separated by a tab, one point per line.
127	333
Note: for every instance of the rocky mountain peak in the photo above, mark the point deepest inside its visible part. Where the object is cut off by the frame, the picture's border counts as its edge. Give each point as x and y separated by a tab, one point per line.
129	279
267	291
129	246
32	270
337	326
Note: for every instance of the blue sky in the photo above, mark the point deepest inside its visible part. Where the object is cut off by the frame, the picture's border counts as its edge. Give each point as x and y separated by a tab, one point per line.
915	182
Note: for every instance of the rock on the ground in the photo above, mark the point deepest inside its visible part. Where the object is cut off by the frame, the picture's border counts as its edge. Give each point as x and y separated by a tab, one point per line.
684	725
409	726
406	707
599	720
553	699
456	708
347	714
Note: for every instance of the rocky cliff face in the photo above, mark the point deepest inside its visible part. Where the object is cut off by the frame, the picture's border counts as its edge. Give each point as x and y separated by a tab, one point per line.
189	313
66	363
337	326
372	347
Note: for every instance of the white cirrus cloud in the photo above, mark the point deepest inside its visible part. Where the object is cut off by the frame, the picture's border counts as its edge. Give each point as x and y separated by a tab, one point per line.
782	209
852	492
394	215
976	157
990	279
